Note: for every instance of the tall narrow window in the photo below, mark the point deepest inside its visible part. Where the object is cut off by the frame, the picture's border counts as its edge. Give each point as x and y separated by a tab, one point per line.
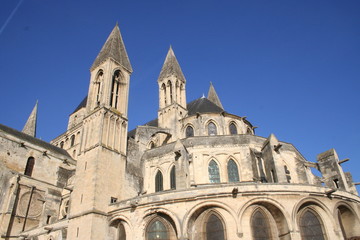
114	97
72	140
233	173
62	144
158	182
121	232
173	178
164	93
189	131
212	129
310	226
260	226
170	92
214	228
232	129
157	231
29	166
98	86
214	175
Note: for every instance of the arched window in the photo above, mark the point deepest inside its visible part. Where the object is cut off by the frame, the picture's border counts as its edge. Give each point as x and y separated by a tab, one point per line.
232	129
233	173
310	226
115	86
121	232
29	166
62	144
189	131
173	178
214	228
72	140
214	175
157	231
98	83
158	182
152	145
163	87
170	92
212	131
260	226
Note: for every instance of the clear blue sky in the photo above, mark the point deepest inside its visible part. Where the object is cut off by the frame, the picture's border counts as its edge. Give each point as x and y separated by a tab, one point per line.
291	67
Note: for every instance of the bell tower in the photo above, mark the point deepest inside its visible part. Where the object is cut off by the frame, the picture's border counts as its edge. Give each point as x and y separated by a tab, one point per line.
172	95
100	170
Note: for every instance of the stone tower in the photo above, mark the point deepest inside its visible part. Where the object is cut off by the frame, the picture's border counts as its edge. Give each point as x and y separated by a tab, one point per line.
100	170
172	95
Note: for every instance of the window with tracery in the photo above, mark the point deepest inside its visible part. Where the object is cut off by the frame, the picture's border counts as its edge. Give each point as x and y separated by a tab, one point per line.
189	131
233	129
29	166
212	130
214	228
260	226
214	174
310	226
173	178
157	231
158	182
233	173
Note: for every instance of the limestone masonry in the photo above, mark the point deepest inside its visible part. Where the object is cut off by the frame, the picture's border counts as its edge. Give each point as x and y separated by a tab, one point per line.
196	172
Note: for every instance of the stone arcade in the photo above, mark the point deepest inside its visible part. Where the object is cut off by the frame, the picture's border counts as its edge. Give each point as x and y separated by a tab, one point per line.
196	172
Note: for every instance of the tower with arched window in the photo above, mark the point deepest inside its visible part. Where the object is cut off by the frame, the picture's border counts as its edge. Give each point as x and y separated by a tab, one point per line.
172	95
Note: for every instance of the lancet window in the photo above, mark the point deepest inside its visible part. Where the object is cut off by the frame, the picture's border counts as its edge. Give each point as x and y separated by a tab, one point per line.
212	130
158	181
214	228
157	231
115	89
233	173
189	131
173	178
310	226
29	166
260	226
233	129
214	174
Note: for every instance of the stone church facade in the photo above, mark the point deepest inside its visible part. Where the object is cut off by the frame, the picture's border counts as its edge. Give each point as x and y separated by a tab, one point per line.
196	172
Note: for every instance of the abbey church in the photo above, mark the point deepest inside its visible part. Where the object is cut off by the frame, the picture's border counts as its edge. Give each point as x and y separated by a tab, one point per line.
197	172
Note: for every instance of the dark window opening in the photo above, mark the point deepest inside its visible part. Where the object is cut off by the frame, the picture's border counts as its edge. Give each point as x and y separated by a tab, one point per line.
212	130
29	166
48	219
113	200
189	132
233	129
72	140
336	182
310	226
214	228
62	144
173	178
260	226
158	182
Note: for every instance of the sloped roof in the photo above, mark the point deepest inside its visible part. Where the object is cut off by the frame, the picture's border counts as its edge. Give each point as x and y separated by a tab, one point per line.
81	105
27	138
203	105
171	67
114	48
213	97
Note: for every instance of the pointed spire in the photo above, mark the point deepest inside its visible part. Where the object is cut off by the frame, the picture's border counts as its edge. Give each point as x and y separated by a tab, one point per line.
213	97
114	48
30	126
171	66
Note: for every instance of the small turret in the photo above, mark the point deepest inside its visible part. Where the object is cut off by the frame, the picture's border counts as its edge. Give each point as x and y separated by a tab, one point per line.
213	97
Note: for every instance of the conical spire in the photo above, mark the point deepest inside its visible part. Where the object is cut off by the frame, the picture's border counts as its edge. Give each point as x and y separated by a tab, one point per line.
212	96
30	126
171	67
114	48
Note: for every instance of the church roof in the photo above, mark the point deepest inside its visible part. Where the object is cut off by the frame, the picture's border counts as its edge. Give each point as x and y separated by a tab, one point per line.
171	67
203	105
114	48
81	105
29	139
